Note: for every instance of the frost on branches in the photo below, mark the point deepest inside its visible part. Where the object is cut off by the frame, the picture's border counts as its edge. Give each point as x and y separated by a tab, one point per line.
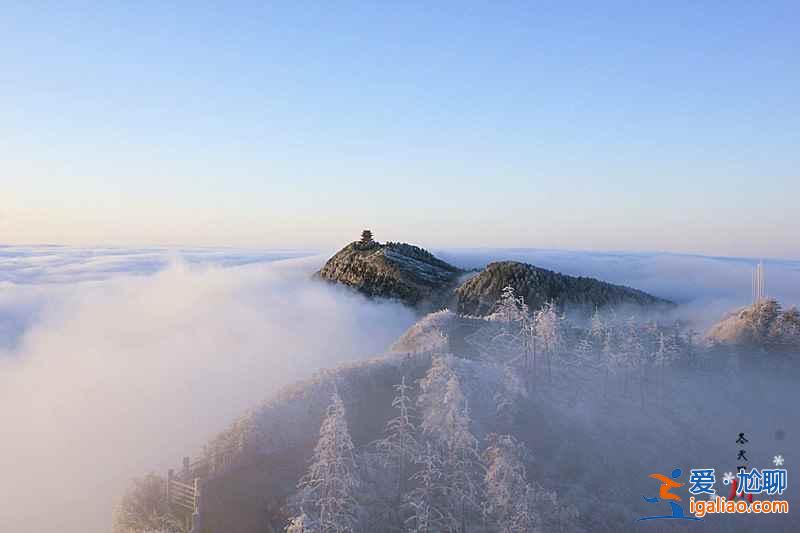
399	448
510	308
144	508
427	502
328	490
506	506
504	336
514	504
446	422
301	524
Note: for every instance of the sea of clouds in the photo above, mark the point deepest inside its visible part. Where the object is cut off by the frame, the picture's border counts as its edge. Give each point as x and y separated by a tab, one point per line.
117	362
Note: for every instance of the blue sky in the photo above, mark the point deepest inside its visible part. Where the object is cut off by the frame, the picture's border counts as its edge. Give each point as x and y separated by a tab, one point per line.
584	125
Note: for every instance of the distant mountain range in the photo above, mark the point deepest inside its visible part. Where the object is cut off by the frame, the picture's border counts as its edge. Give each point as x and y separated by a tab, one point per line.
417	278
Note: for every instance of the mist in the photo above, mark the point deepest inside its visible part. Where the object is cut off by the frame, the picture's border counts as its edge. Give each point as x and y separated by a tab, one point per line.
118	362
102	381
704	287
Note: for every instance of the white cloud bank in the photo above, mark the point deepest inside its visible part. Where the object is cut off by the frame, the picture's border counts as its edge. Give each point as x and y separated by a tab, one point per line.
116	362
111	379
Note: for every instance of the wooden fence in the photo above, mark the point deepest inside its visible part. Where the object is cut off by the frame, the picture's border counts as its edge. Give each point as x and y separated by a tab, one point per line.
184	490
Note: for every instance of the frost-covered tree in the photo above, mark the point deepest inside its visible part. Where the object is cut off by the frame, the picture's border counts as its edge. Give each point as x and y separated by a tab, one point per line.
553	515
446	422
511	389
665	355
549	330
631	351
581	364
327	491
502	339
400	447
427	502
529	346
597	327
144	509
609	359
431	393
510	308
462	459
784	333
301	524
513	503
508	507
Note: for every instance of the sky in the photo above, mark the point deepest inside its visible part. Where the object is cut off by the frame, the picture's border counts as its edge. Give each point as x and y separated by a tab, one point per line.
575	125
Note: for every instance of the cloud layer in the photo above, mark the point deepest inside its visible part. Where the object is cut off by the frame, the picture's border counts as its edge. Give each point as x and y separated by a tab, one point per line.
116	362
110	379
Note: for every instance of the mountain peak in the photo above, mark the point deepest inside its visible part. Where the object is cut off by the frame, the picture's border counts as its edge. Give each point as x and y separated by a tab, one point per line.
479	294
393	270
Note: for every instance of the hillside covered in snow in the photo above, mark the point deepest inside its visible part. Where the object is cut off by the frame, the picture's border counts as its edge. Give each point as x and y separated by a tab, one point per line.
538	286
518	421
762	325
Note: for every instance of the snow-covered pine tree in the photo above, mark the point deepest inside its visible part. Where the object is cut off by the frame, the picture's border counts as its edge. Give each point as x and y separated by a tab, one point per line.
549	330
427	502
666	353
597	327
446	423
144	508
529	345
502	337
327	491
609	359
462	459
582	365
431	393
400	447
508	394
631	351
511	309
508	507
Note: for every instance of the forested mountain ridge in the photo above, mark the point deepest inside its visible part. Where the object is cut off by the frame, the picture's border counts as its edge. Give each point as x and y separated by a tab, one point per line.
417	278
537	286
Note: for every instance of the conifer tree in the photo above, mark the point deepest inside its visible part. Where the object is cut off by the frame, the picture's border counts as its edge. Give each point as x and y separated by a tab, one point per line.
329	486
446	422
508	507
427	501
400	447
549	329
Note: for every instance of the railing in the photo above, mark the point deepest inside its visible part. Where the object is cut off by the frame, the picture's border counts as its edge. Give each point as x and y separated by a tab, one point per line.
187	497
182	494
185	490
